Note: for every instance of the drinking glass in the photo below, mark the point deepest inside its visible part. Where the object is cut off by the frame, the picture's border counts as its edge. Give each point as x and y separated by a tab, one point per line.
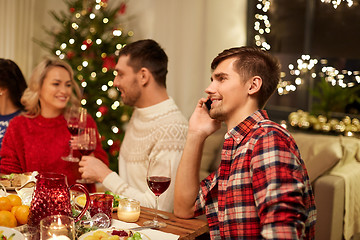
58	227
76	121
158	179
86	144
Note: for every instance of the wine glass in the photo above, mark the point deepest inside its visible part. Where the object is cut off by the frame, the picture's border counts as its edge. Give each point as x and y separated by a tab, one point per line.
158	179
76	121
86	144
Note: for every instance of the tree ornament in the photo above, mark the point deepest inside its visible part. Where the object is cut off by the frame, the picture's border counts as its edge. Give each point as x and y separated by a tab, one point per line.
122	8
115	148
109	62
70	54
103	109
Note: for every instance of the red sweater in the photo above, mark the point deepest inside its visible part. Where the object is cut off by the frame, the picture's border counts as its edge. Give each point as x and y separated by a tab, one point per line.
37	144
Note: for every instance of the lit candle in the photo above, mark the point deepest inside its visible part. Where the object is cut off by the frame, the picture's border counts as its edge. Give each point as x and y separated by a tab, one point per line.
61	237
128	216
128	210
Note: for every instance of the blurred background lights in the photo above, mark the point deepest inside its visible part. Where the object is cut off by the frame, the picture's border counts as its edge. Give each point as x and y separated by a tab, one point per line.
99	102
115	129
104	88
117	32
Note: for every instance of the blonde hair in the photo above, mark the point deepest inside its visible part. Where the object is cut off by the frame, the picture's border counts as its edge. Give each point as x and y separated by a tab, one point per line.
30	98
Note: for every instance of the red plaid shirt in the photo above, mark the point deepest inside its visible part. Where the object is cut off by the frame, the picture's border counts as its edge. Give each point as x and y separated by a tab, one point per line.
261	189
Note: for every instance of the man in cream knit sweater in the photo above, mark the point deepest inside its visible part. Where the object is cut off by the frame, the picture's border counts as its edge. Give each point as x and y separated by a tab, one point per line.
156	131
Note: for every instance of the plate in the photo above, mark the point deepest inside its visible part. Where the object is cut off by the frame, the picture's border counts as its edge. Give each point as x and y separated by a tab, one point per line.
14	180
7	232
108	231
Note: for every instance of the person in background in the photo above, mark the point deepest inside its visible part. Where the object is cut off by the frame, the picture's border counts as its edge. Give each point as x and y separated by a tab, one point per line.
261	189
12	86
156	131
39	138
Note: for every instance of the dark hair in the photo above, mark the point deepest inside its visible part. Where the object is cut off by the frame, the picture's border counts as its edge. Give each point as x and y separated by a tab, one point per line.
13	80
250	62
147	53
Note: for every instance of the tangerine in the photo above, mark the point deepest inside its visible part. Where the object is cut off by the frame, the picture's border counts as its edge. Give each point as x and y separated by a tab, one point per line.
7	219
15	200
5	204
22	214
13	209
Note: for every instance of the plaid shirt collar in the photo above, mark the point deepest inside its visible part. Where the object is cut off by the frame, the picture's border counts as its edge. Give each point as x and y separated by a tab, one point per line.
239	132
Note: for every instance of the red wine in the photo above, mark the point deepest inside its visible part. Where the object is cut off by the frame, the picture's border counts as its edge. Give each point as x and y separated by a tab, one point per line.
158	184
73	129
85	151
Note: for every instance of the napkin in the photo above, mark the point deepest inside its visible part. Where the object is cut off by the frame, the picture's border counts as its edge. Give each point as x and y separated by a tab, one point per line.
25	192
151	233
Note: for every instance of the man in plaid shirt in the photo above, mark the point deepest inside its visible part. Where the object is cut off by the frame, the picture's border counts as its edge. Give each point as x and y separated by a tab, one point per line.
261	189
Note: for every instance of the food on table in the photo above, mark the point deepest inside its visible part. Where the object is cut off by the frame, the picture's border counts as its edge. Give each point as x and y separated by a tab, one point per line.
113	234
3	237
116	198
14	179
12	212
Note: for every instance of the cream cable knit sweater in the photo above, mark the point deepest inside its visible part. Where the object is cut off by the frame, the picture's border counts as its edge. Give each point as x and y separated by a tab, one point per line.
156	132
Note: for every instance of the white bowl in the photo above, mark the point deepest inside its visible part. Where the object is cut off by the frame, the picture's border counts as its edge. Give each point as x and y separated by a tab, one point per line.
7	232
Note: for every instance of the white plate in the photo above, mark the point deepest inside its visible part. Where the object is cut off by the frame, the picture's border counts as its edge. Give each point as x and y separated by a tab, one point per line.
109	231
7	232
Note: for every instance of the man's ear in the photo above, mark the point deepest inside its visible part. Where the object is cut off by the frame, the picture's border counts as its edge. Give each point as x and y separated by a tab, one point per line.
255	84
144	76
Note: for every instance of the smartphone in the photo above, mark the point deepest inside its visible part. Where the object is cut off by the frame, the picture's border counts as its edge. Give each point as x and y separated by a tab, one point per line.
208	104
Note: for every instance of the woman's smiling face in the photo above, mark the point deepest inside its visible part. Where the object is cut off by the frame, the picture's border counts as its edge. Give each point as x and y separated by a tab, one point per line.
55	92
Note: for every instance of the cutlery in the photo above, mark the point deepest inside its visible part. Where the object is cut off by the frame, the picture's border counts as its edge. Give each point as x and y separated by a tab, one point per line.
153	212
143	227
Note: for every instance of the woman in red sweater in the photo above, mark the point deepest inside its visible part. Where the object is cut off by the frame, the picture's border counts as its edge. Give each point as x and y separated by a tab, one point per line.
37	139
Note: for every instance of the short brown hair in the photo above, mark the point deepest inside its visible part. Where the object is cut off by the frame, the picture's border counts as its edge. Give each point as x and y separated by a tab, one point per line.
149	54
250	62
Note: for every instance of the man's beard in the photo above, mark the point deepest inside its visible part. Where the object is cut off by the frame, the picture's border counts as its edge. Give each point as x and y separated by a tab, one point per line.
217	114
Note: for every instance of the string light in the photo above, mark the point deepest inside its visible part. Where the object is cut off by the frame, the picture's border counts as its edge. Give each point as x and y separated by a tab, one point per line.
305	65
337	3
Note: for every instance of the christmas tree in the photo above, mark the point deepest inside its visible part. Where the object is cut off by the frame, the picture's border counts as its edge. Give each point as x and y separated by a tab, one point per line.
89	37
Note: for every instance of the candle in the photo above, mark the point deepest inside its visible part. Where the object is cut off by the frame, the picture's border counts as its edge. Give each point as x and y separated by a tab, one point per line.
128	210
128	216
61	237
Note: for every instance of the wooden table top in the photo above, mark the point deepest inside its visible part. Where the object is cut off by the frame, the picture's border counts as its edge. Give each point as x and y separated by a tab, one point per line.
186	228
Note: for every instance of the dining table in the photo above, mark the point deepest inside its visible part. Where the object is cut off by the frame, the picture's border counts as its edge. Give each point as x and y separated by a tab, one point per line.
186	229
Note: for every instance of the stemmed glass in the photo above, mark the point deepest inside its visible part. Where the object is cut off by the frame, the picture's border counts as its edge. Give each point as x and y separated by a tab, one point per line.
76	121
86	144
158	179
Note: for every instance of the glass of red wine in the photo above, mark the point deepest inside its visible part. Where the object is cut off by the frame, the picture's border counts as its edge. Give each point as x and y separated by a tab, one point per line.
86	144
158	179
76	121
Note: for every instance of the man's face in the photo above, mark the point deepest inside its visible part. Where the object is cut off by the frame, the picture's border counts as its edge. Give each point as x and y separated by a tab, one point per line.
127	82
228	92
